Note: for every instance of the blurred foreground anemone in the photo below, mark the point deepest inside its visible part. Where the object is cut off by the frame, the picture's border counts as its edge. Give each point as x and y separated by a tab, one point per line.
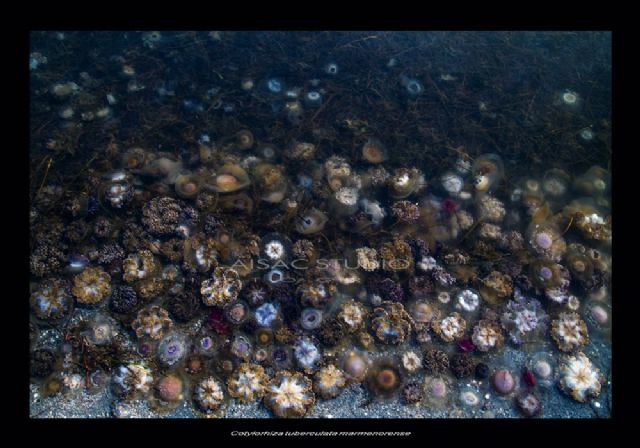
289	394
579	378
569	332
91	286
391	323
329	382
152	322
131	380
208	395
247	382
222	289
51	300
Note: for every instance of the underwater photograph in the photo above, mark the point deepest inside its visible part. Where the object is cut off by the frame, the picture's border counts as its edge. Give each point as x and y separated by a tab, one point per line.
320	224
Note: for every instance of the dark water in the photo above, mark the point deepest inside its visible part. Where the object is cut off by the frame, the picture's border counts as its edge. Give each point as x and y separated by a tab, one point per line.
134	136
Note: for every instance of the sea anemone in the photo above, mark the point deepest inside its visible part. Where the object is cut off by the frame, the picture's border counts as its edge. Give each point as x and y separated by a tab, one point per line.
236	312
91	286
289	394
247	382
422	312
452	183
315	293
545	274
579	378
396	255
255	292
405	212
